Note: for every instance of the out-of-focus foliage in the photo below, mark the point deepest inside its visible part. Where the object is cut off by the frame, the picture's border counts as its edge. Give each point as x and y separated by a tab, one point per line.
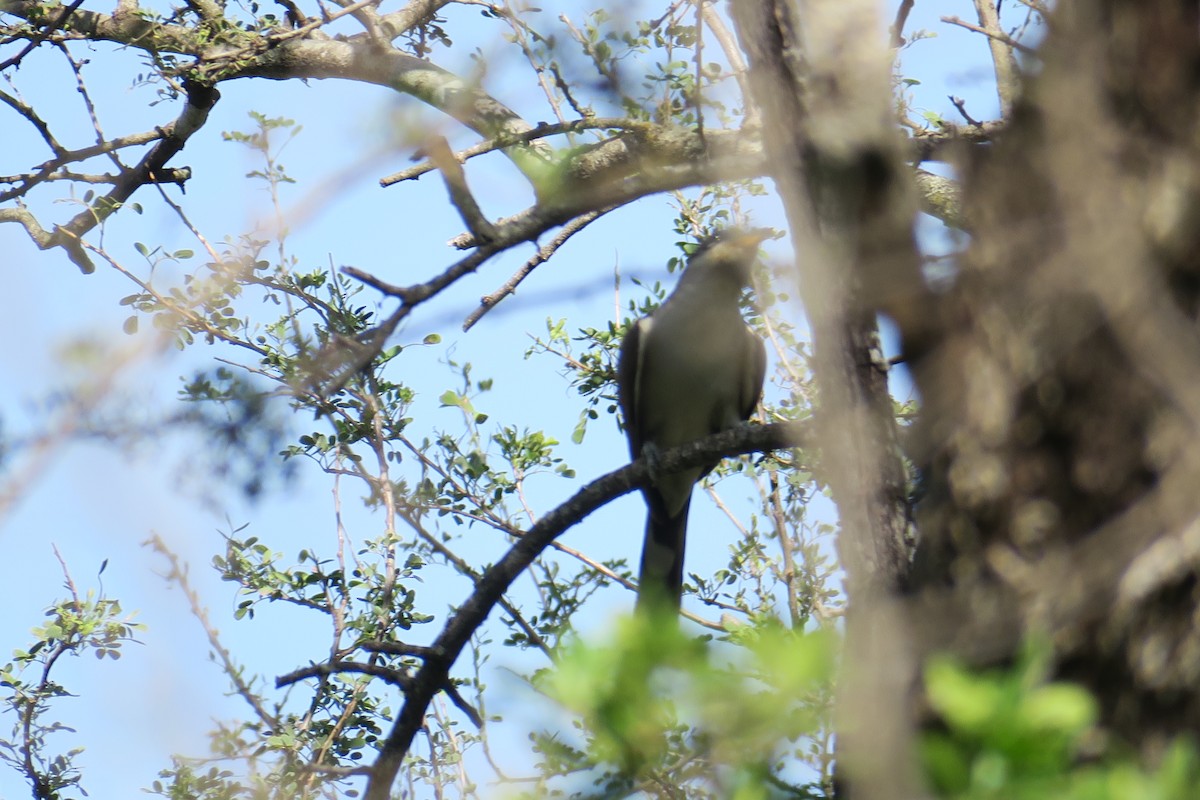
1014	734
657	707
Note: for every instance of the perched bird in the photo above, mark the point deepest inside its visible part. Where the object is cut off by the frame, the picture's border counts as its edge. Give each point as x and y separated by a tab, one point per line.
690	369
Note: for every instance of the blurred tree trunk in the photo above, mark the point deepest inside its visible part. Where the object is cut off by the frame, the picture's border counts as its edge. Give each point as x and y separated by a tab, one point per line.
837	162
1059	374
1061	377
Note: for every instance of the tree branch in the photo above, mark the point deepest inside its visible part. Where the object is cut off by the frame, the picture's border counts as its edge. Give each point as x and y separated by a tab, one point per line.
454	637
1005	65
393	676
489	301
540	131
200	100
50	27
460	194
941	198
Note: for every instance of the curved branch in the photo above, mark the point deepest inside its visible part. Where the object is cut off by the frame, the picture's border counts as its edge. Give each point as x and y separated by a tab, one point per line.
285	55
642	160
195	112
358	59
434	674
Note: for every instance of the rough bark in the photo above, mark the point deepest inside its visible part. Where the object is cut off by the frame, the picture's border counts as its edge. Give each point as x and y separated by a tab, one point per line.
1062	385
836	157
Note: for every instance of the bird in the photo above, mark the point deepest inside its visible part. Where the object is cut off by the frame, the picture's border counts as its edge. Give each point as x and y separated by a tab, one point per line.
690	368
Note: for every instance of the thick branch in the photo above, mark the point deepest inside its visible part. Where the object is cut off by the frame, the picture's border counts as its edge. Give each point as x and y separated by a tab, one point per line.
645	160
942	198
416	13
285	55
523	227
358	60
495	582
131	29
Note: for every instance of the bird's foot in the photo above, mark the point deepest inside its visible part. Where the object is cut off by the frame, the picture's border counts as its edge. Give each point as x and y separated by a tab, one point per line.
653	458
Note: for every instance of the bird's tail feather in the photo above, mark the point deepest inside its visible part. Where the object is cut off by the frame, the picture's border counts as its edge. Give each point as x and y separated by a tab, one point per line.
660	581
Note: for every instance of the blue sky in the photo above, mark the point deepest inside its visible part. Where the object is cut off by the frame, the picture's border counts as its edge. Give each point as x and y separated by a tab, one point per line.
97	503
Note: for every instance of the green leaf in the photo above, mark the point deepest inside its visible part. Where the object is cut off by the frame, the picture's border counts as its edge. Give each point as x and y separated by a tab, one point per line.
969	703
1059	707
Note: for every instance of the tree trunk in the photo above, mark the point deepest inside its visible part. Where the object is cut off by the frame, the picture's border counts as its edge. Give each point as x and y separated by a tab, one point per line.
1061	382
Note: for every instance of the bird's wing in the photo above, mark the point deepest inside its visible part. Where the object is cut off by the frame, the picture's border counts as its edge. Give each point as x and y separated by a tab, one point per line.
628	367
754	372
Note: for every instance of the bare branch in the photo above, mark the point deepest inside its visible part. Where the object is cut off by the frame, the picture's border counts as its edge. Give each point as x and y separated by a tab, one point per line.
489	301
393	676
454	637
460	194
500	142
179	575
961	105
50	28
737	62
998	36
416	13
929	145
1007	74
902	12
27	111
941	198
200	101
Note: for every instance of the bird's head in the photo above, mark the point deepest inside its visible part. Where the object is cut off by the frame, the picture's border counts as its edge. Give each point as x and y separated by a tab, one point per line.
730	251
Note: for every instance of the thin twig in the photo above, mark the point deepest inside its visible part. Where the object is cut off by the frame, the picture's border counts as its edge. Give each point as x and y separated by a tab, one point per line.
791	580
998	36
388	674
50	28
508	140
733	54
93	116
178	575
961	105
489	301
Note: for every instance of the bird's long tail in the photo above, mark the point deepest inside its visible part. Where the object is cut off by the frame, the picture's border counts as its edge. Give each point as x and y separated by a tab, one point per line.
660	581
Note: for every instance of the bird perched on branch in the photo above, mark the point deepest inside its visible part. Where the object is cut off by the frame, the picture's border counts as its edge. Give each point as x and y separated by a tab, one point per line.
689	369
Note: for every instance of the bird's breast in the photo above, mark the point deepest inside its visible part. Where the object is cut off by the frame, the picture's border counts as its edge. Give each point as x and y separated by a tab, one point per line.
695	363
